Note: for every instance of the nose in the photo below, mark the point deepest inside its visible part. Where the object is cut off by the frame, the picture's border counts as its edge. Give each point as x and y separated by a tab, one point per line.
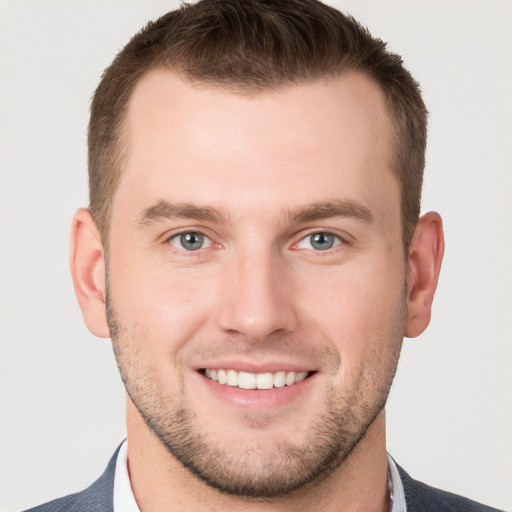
257	297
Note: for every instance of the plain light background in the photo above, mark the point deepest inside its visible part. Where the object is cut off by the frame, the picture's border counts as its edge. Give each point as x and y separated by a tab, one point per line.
61	399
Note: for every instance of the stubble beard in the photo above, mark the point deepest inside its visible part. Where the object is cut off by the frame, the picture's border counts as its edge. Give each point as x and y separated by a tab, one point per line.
255	471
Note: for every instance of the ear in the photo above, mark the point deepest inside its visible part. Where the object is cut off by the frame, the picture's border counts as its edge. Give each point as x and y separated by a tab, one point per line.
425	257
87	261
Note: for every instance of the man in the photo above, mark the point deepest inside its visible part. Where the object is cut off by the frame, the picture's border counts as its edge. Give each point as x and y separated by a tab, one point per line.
254	249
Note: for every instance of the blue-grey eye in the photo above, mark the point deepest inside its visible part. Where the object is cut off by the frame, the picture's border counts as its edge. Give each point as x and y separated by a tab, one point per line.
190	241
320	241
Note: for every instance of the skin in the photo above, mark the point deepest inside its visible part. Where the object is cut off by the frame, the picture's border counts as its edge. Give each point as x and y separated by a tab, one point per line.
263	174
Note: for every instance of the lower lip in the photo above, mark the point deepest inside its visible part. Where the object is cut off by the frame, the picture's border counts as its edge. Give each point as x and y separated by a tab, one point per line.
258	398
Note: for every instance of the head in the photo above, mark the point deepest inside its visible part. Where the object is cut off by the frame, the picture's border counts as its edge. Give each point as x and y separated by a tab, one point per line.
255	175
251	47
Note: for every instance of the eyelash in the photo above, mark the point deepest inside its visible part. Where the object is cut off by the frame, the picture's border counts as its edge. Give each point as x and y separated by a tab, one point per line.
338	241
177	236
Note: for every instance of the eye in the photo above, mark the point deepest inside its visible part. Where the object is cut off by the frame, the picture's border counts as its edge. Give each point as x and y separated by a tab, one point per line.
320	241
190	241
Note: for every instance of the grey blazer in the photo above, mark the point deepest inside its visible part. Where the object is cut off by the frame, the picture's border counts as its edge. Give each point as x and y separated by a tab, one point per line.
418	496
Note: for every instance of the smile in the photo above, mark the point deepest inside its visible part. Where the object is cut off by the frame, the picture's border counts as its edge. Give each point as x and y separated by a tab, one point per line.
244	380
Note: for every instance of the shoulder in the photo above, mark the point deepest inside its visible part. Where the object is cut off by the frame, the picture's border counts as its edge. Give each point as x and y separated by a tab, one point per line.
66	503
96	498
420	497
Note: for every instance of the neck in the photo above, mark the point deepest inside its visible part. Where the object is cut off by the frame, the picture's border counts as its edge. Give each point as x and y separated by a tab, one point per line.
159	482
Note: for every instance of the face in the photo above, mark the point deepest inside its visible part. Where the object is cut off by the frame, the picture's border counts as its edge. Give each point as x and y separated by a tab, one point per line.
256	276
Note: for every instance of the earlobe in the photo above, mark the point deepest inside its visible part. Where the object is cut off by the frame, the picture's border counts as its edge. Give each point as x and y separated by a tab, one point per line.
87	262
425	258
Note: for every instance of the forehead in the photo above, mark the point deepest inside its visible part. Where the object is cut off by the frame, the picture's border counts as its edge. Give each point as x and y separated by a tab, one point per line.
292	145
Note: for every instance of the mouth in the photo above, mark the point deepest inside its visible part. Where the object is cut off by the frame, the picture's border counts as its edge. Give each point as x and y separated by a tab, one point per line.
246	380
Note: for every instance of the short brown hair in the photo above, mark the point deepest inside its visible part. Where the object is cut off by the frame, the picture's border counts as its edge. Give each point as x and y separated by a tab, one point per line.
254	46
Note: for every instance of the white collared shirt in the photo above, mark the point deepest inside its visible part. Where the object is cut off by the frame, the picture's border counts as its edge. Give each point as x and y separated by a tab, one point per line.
397	489
124	500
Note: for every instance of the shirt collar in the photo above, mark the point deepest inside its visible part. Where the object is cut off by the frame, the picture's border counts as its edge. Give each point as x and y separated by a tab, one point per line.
396	488
124	500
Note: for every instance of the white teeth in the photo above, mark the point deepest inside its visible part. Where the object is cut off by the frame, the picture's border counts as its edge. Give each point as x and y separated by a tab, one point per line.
290	378
232	378
246	380
300	376
279	379
265	380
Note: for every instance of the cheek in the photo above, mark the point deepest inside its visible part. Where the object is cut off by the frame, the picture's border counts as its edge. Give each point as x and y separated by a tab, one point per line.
165	306
356	308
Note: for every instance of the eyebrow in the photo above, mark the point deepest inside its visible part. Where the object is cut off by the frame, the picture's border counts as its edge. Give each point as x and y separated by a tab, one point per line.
165	210
329	209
